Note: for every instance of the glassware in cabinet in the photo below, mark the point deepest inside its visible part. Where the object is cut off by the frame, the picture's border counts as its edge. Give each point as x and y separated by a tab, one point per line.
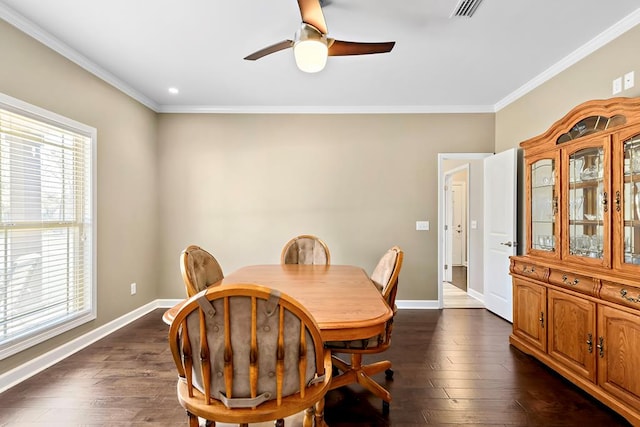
544	205
587	200
631	201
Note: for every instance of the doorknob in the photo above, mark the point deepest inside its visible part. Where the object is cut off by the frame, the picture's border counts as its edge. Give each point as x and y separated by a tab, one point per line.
509	243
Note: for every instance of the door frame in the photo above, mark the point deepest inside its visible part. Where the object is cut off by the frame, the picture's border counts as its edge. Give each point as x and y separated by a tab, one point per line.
442	211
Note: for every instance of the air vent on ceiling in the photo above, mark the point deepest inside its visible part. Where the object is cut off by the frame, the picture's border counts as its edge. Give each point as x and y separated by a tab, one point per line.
466	8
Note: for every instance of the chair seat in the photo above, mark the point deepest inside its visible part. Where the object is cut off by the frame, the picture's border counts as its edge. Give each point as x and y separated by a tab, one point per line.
269	410
295	420
363	344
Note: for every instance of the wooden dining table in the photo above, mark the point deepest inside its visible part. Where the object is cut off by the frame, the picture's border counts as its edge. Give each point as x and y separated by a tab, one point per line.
342	298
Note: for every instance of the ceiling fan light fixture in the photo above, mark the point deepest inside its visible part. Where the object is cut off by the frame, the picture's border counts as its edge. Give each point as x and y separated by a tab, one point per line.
310	49
311	55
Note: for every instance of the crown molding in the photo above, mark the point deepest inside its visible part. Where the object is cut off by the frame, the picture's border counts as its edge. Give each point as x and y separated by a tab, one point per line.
28	27
583	51
363	109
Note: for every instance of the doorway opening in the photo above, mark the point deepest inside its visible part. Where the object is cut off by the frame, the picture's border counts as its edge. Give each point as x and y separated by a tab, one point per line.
460	237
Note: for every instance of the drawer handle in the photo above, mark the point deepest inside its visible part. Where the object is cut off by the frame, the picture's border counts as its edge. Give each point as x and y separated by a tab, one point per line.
623	294
529	270
566	281
590	343
541	319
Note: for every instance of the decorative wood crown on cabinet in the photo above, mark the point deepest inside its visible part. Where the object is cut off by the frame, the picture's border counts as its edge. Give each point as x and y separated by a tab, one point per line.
576	290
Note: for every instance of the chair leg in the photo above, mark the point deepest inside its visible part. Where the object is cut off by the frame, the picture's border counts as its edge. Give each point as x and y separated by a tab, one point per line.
309	415
319	412
193	420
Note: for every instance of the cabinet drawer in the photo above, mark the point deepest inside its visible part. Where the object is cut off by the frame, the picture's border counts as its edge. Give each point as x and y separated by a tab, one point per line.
621	294
576	282
532	271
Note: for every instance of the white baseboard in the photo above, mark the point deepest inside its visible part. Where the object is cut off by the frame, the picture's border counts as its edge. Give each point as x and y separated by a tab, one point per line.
417	304
167	303
42	362
475	294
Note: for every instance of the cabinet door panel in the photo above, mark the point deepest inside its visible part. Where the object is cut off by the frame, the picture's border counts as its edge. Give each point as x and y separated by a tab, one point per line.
626	200
571	329
529	313
585	202
542	182
619	358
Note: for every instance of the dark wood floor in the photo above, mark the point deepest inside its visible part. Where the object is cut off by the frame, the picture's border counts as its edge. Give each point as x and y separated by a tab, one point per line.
452	367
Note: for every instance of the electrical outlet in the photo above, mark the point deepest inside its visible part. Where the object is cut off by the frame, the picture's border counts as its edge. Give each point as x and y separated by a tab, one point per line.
617	85
133	288
629	80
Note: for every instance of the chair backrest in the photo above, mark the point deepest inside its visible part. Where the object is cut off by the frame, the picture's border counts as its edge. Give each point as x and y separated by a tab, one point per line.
305	249
240	346
385	274
199	269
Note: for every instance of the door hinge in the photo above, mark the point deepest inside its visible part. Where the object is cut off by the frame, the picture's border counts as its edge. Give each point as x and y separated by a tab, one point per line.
446	227
446	267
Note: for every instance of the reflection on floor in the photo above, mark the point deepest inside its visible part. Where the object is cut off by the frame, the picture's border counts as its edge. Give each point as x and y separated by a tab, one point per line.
453	297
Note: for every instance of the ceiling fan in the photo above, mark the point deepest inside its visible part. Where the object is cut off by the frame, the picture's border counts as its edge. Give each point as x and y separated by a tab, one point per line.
311	46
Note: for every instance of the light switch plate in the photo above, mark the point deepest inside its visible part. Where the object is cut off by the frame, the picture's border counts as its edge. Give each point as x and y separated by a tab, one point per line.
629	80
617	86
422	225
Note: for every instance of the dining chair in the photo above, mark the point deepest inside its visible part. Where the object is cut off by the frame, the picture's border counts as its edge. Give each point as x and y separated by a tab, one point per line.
385	278
199	269
305	249
246	353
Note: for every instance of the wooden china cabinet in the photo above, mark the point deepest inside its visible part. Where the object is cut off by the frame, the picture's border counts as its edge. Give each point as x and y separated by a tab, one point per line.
576	290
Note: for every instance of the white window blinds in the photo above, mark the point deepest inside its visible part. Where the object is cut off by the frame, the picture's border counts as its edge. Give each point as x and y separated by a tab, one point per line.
46	225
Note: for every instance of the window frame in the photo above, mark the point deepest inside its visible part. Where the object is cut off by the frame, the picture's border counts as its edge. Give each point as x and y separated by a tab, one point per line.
40	335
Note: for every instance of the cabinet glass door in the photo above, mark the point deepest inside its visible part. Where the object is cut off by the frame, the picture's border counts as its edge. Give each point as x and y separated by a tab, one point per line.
544	205
587	201
631	201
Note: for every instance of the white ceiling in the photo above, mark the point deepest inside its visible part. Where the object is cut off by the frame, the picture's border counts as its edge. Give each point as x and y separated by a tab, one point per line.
439	63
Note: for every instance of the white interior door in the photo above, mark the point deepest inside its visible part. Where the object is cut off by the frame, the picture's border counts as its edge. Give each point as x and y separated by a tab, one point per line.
500	231
459	234
448	229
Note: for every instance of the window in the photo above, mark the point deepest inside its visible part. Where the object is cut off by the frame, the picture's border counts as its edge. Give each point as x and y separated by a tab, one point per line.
47	227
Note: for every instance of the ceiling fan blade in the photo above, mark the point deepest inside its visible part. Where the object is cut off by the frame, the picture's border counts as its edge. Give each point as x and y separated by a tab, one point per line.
342	48
311	13
285	44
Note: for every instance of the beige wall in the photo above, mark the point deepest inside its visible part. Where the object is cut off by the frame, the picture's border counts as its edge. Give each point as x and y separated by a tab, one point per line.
242	185
127	184
590	78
